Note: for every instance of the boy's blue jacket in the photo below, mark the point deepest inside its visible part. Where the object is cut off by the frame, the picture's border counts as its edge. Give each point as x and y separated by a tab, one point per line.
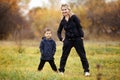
47	49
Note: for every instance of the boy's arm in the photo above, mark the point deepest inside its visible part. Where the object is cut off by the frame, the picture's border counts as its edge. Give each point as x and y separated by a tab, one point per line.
54	47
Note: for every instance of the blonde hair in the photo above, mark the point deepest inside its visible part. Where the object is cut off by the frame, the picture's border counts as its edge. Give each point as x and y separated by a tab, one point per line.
68	7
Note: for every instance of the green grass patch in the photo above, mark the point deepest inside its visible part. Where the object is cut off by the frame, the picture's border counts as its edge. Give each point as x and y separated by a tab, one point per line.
23	66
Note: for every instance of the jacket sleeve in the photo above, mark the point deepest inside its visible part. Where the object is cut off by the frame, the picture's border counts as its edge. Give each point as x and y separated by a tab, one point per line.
54	47
41	47
59	31
78	25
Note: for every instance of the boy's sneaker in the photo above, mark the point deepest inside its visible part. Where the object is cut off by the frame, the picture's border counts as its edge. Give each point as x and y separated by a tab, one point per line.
87	74
56	71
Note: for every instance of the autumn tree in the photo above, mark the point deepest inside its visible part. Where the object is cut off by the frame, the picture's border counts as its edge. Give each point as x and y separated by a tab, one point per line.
111	19
42	18
104	17
10	18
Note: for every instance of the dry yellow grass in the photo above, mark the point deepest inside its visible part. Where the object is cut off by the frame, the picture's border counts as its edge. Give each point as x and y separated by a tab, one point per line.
23	66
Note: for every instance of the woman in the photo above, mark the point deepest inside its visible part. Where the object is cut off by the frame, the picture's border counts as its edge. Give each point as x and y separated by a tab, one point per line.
73	38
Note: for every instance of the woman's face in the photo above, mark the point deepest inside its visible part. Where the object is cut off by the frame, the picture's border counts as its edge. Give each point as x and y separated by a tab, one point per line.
65	11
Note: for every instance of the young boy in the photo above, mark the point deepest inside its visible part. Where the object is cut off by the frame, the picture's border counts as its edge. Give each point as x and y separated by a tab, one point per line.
47	49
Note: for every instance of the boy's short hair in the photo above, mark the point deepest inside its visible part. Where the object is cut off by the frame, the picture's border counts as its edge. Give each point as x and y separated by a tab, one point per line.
47	29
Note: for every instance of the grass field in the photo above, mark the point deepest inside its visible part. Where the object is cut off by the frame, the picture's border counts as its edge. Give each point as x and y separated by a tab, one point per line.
103	57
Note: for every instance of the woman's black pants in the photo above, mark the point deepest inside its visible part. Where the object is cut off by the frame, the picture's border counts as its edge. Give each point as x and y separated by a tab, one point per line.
79	46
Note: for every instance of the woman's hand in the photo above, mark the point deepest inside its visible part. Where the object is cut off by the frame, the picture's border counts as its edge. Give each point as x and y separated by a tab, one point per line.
82	37
63	39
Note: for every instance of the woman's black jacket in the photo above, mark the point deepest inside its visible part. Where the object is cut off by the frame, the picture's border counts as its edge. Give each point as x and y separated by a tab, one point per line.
72	27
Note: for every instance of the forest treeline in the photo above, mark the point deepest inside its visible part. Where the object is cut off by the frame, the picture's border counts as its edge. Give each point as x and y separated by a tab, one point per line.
100	20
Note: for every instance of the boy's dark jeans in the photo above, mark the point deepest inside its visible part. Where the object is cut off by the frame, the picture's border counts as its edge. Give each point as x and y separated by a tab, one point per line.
51	62
79	46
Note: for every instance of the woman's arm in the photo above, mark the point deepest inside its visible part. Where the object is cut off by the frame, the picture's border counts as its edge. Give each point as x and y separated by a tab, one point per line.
59	31
78	25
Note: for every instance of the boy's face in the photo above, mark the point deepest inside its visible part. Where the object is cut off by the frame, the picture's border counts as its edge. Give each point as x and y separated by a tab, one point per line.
48	34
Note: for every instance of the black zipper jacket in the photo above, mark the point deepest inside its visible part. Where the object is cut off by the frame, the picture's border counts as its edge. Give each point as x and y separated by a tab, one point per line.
72	27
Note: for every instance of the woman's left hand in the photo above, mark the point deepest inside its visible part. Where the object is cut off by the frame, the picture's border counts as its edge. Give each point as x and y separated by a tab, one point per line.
82	37
63	40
